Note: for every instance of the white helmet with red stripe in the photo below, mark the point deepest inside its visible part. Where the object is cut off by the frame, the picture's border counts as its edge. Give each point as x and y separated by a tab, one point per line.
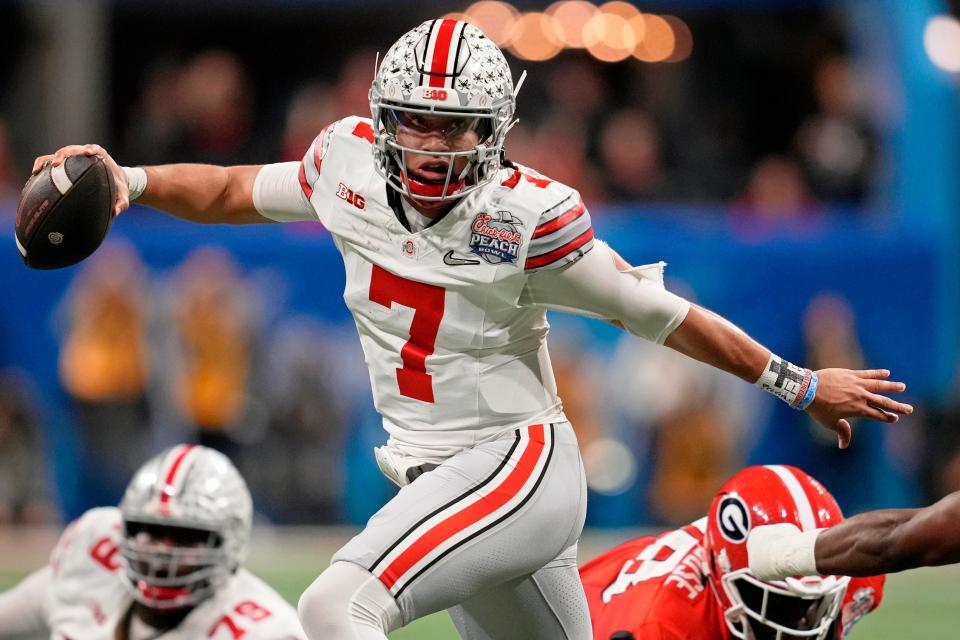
801	607
444	68
187	516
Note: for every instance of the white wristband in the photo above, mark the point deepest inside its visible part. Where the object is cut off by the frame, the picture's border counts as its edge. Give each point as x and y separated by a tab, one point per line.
136	181
794	385
779	551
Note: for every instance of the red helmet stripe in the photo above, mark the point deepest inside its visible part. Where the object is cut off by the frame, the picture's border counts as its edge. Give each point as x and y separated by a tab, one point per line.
165	490
441	53
804	508
826	511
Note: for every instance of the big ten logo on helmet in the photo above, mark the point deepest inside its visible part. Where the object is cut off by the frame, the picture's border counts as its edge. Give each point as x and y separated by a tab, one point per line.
435	94
345	193
495	238
733	519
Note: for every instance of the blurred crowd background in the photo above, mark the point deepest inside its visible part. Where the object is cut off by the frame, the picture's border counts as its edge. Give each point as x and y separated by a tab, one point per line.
796	163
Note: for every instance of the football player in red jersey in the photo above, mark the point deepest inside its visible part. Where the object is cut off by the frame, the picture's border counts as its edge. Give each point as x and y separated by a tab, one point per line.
884	541
452	256
694	583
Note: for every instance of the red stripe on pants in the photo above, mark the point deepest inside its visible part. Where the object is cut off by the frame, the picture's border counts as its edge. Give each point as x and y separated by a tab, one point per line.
470	515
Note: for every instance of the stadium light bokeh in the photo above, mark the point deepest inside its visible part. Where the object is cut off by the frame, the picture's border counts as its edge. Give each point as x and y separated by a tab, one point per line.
611	32
941	39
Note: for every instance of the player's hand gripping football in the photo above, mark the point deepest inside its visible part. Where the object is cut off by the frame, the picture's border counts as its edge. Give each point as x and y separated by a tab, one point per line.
844	394
119	177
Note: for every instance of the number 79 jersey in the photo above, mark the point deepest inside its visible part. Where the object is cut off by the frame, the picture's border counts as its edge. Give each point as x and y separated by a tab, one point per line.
453	356
87	600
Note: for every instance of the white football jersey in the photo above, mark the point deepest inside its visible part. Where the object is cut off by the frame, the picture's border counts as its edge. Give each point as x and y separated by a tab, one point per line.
453	357
87	598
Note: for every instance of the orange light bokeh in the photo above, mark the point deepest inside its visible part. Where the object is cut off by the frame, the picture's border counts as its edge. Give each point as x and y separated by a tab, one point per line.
535	37
496	19
569	17
683	39
659	41
609	37
457	15
618	8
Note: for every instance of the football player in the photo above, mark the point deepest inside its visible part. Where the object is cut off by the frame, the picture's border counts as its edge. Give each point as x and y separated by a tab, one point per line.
694	584
165	565
452	255
884	541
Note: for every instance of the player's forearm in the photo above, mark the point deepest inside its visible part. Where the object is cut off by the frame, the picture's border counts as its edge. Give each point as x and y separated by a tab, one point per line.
203	193
22	614
863	545
892	540
709	338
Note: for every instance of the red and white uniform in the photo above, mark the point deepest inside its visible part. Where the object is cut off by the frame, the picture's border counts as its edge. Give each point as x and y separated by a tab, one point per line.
655	588
81	595
452	320
451	327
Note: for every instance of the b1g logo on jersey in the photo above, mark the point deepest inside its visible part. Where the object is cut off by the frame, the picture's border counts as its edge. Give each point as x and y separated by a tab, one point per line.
733	519
346	193
495	238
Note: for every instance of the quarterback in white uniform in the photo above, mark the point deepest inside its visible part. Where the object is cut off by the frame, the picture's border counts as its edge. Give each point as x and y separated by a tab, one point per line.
453	254
163	566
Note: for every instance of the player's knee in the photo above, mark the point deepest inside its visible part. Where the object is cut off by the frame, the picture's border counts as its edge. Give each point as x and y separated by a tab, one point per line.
346	601
323	608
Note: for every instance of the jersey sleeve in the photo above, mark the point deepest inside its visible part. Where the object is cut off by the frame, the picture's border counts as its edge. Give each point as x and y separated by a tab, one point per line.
283	191
595	287
23	612
563	235
277	193
312	162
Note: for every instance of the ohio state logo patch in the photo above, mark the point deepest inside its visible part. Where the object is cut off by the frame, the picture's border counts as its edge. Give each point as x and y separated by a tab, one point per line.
495	238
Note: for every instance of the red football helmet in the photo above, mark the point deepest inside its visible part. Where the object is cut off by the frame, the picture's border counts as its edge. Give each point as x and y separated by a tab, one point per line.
783	609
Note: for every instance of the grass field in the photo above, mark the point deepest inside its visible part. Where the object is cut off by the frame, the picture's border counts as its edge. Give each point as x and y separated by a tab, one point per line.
922	604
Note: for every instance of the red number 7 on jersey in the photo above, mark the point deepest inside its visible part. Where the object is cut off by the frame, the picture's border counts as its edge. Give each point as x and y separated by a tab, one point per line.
427	302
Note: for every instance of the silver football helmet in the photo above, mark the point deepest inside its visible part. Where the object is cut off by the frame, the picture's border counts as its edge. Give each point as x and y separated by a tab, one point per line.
442	68
187	515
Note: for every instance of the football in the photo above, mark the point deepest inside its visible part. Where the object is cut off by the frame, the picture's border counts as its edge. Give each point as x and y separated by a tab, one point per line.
64	213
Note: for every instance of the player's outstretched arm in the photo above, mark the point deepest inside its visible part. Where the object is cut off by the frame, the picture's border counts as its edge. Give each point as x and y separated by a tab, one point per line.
195	192
839	394
22	613
867	544
603	284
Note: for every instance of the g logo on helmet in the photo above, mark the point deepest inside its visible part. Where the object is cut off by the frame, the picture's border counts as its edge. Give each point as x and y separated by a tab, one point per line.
733	519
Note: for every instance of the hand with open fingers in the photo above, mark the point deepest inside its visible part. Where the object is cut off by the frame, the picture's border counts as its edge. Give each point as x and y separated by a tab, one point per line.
844	393
119	177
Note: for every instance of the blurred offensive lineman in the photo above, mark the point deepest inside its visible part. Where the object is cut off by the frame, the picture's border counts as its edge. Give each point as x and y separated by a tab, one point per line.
452	256
694	583
164	566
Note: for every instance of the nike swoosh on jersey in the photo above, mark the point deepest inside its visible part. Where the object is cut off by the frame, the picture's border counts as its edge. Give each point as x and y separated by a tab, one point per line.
453	261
